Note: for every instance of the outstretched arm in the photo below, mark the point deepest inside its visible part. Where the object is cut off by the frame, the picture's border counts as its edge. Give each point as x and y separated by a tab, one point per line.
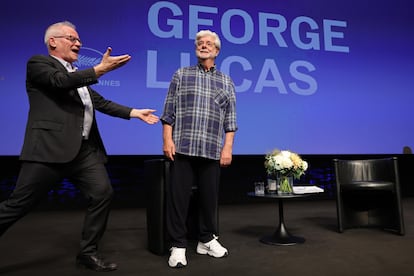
109	63
145	115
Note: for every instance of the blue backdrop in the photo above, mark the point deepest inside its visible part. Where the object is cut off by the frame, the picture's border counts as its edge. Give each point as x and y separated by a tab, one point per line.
315	77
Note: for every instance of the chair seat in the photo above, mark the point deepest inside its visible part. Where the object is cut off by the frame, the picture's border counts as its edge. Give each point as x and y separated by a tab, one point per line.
368	194
369	185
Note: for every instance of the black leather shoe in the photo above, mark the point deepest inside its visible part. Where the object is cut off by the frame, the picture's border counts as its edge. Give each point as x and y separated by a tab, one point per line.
95	263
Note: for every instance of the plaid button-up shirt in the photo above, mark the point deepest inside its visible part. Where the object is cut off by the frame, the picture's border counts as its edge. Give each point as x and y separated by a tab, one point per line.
201	107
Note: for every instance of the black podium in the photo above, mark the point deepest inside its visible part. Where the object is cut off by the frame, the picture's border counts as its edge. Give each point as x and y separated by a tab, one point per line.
156	176
157	182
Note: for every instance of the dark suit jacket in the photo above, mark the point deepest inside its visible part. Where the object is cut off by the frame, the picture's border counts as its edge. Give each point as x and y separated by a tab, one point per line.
55	121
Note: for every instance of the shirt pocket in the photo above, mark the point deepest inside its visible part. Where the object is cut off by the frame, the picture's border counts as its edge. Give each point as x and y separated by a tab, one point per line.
221	98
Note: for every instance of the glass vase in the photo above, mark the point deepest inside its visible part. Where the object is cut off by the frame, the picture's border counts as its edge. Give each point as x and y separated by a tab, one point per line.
271	185
284	185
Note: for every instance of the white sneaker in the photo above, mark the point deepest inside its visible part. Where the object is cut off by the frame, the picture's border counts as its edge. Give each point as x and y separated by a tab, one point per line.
177	258
212	248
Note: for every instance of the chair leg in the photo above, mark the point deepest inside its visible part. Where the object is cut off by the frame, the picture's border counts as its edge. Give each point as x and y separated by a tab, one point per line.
401	227
339	215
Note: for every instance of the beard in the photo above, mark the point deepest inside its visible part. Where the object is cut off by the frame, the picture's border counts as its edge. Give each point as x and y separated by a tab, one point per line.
205	55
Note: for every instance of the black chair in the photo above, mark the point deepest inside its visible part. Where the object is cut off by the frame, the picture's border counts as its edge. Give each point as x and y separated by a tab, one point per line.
157	174
368	194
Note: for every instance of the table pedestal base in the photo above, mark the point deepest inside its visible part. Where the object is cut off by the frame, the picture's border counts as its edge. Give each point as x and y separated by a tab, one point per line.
276	240
282	235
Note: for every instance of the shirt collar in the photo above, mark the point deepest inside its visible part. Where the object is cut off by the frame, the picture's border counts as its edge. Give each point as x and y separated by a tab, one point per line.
70	67
212	69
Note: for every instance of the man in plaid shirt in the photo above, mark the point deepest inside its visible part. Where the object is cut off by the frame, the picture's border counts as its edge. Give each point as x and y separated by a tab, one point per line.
199	111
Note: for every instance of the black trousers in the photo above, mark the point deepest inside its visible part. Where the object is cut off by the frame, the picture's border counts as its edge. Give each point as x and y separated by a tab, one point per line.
86	171
186	172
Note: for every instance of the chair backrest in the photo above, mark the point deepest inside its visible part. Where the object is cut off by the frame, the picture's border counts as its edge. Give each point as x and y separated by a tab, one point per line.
349	171
364	189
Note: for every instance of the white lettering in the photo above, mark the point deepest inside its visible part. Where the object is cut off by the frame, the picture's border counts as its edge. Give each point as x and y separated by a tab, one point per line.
270	66
264	29
269	75
152	57
225	68
269	24
313	38
330	35
111	83
226	26
176	29
310	81
195	21
152	81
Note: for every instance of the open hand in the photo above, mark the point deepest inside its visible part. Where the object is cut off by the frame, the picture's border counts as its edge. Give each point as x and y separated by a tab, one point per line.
109	63
145	115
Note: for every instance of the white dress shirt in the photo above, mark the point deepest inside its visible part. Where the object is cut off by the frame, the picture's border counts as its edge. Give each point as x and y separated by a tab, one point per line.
86	100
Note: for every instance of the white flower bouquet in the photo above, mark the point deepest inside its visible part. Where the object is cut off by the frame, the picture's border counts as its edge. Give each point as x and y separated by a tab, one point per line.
285	163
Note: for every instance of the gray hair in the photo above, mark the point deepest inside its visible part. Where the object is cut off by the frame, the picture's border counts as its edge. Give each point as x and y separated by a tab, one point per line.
204	33
55	29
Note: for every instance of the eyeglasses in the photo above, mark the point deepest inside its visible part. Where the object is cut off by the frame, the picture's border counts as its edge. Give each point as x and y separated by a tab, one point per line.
70	38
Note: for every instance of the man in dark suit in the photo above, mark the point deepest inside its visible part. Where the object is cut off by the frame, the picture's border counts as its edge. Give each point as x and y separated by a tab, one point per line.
62	138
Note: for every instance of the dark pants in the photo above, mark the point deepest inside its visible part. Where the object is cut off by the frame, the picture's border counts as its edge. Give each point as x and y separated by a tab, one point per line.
86	171
187	171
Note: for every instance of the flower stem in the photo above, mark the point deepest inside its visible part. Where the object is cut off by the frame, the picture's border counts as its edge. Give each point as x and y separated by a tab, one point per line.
285	185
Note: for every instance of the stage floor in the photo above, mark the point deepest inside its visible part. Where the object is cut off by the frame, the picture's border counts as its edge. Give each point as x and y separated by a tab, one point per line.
46	242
